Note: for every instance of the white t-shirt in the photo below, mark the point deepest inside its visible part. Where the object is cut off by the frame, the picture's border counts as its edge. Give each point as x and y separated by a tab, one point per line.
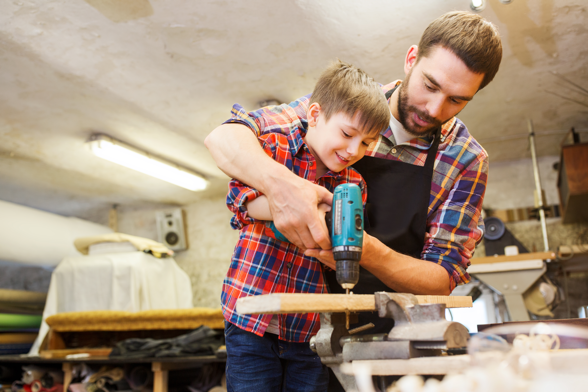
273	326
400	134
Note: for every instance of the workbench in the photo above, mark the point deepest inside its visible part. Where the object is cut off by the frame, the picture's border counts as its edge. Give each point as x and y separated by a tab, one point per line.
159	366
561	360
511	276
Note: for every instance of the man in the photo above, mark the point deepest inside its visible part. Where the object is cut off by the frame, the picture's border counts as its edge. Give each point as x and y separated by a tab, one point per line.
426	174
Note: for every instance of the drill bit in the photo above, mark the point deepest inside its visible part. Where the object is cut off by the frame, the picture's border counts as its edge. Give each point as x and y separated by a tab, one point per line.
347	313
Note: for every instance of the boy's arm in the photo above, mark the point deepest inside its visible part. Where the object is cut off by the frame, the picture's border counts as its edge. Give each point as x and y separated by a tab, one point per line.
259	209
292	200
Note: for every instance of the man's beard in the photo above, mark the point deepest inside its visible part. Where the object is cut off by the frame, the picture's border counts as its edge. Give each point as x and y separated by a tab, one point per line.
404	109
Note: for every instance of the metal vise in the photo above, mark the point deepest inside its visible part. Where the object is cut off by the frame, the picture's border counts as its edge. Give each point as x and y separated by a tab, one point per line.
419	330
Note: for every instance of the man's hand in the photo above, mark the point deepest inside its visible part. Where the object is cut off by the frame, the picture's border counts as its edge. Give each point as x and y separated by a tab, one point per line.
324	256
294	206
292	200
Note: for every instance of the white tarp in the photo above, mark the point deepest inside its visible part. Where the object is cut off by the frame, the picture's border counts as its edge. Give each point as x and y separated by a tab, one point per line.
120	281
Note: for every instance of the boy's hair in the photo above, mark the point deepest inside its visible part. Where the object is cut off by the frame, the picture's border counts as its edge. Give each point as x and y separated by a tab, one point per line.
347	89
470	37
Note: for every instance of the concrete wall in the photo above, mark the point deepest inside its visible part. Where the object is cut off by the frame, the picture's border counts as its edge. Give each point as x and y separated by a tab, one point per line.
511	184
211	243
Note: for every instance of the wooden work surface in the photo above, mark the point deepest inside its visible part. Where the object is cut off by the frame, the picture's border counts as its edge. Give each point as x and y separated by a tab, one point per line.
519	257
23	359
428	366
570	361
322	303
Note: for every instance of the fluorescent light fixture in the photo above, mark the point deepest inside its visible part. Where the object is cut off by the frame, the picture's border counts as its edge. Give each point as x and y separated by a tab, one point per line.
478	5
118	152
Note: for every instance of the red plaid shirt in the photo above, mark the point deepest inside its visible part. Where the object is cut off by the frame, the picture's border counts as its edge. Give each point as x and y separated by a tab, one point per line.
261	264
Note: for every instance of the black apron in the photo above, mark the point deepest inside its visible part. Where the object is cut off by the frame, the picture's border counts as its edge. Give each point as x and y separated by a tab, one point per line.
396	214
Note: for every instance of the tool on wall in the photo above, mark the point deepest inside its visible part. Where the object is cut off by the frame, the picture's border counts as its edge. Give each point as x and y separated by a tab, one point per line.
539	202
497	237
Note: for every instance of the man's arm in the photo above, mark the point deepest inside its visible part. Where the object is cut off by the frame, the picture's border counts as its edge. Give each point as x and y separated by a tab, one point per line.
401	273
293	200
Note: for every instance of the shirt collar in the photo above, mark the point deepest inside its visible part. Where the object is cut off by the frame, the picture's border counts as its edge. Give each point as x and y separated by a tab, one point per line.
296	140
296	143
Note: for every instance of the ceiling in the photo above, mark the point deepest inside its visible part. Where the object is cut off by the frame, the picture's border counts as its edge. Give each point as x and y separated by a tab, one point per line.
160	75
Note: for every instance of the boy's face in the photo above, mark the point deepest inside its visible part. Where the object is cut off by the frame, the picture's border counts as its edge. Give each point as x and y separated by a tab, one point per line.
338	142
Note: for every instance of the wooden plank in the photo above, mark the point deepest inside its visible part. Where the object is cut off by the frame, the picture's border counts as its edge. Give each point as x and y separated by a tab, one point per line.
506	266
321	303
92	352
401	367
454	301
520	257
567	251
67	374
160	379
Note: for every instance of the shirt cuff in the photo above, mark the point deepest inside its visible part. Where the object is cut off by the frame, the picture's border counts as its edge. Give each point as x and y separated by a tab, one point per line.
241	217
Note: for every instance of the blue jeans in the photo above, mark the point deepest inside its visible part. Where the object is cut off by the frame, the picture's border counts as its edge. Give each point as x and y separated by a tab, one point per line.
266	364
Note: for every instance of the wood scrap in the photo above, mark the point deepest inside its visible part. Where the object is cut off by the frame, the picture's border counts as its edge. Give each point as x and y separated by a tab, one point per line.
322	303
519	257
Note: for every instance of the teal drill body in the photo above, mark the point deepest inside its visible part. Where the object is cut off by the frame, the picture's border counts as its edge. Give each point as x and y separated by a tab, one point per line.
346	230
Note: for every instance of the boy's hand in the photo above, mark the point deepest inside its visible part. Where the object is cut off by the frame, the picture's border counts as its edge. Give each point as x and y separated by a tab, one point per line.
324	256
294	206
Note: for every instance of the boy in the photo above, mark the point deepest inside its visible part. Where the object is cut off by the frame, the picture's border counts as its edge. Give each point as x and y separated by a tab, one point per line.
347	112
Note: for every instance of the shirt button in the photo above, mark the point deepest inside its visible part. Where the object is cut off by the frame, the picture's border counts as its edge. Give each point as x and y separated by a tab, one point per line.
393	151
289	265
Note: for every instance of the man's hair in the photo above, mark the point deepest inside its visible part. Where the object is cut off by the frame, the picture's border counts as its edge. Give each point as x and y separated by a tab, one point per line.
470	37
347	89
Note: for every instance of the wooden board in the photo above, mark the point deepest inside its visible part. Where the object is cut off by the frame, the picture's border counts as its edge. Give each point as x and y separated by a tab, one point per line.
321	303
92	352
520	257
567	251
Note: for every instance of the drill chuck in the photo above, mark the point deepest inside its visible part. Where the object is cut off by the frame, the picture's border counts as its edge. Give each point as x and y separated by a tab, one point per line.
347	273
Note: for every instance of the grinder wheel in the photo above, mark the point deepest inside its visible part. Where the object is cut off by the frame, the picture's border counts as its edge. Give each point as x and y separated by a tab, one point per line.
494	228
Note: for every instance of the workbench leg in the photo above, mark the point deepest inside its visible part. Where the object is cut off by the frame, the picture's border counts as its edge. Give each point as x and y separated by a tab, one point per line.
67	374
160	377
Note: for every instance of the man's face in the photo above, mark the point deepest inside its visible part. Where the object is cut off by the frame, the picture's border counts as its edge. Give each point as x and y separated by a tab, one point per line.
436	88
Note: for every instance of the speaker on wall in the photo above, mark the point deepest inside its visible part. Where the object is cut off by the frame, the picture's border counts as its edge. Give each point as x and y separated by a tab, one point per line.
171	229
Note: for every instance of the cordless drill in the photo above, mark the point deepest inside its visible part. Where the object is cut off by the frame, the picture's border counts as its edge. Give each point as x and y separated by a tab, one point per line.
345	222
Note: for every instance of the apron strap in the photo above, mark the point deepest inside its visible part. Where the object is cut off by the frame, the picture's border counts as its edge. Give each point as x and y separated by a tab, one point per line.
430	162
